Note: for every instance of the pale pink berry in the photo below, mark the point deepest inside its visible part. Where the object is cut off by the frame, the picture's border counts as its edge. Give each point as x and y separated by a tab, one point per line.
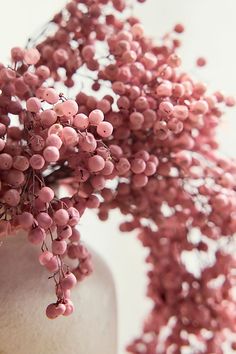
37	162
68	282
70	308
74	216
58	108
180	112
98	182
45	257
53	264
138	166
48	118
20	163
46	194
51	154
96	117
63	294
69	108
55	129
44	220
17	54
105	129
6	161
93	202
39	92
137	30
55	310
54	140
12	197
50	95
59	247
75	237
69	136
33	104
88	143
96	163
108	168
64	232
31	56
81	121
61	217
199	107
43	72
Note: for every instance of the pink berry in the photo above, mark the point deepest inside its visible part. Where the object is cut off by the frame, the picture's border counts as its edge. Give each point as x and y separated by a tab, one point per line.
33	104
20	163
55	129
58	108
61	217
17	54
51	154
53	264
45	257
12	197
75	237
54	140
88	143
59	247
31	56
74	216
50	95
69	136
37	162
48	118
46	194
6	161
138	166
93	202
64	232
96	163
68	282
105	129
55	310
199	107
44	220
69	108
96	117
81	121
69	307
137	30
43	72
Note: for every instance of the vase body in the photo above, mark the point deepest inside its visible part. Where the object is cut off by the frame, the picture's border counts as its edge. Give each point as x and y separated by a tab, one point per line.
25	292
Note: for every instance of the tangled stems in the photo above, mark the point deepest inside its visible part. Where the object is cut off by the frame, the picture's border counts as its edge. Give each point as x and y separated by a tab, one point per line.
146	125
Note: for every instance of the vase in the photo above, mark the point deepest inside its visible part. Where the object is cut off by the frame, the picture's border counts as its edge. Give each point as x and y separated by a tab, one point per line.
25	292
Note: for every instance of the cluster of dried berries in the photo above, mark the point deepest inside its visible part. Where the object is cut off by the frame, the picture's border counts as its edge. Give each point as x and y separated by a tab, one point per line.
136	119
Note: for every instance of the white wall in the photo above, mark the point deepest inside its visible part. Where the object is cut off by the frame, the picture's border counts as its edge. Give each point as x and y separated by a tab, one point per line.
211	29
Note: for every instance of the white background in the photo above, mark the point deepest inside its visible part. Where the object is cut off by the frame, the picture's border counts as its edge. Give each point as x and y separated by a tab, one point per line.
210	32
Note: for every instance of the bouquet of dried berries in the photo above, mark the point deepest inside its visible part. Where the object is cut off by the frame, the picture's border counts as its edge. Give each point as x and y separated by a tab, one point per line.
130	116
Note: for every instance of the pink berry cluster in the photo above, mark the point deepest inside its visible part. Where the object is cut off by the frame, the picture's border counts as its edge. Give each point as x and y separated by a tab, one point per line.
139	121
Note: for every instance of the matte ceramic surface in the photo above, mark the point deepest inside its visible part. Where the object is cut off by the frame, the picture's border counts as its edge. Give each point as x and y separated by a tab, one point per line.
25	292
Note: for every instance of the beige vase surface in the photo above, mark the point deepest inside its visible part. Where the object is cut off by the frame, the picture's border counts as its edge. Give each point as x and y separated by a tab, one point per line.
25	292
